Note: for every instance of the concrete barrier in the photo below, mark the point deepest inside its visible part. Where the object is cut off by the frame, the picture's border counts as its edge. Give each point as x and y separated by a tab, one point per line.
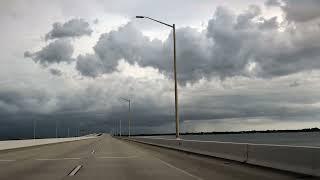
298	159
12	144
233	151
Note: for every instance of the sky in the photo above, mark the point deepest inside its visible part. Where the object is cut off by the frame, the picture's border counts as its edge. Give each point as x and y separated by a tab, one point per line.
241	65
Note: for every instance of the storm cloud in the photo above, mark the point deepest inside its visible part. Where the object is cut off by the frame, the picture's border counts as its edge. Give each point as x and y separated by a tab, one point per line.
251	67
58	51
55	72
297	11
231	45
72	28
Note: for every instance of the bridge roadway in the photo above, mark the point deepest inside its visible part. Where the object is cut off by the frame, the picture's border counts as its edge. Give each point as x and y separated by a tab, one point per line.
109	158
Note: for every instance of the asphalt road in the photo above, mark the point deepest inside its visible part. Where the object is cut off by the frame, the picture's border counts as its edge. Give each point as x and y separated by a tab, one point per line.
109	158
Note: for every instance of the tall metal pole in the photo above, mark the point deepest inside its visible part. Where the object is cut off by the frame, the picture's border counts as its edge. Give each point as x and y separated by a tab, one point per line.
56	129
34	129
175	81
174	71
79	128
129	119
120	127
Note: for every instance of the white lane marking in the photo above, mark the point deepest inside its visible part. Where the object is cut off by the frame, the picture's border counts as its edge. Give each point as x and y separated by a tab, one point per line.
80	154
6	160
180	170
106	153
75	170
57	159
116	157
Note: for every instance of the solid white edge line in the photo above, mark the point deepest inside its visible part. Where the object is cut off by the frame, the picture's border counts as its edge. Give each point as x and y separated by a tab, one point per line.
180	170
58	159
116	157
75	170
70	158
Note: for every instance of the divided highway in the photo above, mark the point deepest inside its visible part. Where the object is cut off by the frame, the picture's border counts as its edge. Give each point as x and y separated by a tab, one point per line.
109	158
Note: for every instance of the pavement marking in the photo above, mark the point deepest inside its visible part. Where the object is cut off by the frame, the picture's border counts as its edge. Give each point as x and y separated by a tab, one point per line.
116	157
80	154
75	170
180	170
57	159
7	160
105	153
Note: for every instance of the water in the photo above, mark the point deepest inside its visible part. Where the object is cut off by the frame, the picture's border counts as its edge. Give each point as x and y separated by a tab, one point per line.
293	138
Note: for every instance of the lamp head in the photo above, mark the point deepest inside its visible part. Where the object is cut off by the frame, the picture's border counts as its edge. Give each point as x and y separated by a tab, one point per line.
140	17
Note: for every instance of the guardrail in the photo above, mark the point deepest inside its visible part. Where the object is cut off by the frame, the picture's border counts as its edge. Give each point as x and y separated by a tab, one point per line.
299	159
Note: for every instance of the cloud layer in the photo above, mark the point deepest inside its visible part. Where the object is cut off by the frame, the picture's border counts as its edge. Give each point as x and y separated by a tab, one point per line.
240	67
245	44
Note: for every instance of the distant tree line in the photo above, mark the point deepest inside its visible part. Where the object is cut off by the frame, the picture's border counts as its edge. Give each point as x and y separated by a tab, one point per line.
315	129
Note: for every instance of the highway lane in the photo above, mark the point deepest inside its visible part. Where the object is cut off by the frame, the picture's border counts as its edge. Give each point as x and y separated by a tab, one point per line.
109	158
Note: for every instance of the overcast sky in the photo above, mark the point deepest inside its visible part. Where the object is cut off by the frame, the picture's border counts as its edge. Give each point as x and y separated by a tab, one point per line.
242	65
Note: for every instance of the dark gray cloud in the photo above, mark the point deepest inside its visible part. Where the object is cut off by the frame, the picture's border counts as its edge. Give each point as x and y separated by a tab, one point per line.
58	51
89	65
301	11
55	72
273	3
297	10
72	28
154	110
294	84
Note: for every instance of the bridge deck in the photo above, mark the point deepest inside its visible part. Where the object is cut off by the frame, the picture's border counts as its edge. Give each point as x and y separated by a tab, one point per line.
109	158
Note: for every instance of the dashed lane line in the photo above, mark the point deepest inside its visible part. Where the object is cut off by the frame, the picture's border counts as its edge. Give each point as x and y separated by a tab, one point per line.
75	170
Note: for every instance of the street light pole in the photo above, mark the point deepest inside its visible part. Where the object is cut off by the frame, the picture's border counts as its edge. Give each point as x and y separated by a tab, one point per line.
175	81
120	128
129	115
56	129
129	118
174	71
34	129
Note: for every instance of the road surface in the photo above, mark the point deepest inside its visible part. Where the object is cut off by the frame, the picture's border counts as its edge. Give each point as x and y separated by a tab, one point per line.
109	158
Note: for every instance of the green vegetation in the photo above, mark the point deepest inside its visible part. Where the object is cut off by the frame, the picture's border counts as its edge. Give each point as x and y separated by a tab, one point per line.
315	129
